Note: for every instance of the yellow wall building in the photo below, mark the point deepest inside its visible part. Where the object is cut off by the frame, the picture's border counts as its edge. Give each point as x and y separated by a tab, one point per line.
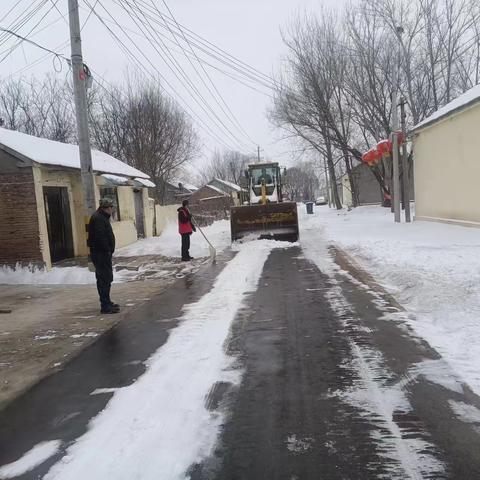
447	162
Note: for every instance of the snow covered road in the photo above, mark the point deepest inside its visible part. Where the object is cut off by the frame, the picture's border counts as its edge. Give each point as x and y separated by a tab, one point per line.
279	362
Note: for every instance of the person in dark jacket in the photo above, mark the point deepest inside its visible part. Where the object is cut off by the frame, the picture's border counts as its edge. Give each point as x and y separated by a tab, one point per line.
185	228
101	242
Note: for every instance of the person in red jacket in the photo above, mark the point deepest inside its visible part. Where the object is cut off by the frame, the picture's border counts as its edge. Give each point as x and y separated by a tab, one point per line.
185	228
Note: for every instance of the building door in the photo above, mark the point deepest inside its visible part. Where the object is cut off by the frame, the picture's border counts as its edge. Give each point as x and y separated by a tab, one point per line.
59	223
138	195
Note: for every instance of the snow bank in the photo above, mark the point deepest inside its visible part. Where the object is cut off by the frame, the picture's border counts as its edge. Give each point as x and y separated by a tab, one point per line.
433	270
56	276
162	417
169	243
32	459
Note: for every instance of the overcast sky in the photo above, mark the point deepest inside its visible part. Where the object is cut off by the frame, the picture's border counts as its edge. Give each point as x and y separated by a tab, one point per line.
247	29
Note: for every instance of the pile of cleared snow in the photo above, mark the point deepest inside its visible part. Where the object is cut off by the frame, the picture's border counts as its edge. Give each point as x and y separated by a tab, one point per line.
163	415
169	243
433	269
56	276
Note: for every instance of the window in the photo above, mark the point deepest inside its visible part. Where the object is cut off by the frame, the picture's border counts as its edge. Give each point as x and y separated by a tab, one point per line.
111	193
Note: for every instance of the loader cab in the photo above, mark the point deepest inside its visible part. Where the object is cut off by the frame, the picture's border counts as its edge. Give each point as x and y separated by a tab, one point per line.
267	174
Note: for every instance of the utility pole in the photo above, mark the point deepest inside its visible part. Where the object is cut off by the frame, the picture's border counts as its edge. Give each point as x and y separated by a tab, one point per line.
406	178
258	153
396	169
80	93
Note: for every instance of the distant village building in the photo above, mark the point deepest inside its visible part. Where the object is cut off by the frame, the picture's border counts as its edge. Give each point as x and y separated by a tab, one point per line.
175	191
367	186
214	200
447	162
41	200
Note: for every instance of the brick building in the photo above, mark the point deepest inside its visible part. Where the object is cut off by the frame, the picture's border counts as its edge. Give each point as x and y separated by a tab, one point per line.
41	199
209	203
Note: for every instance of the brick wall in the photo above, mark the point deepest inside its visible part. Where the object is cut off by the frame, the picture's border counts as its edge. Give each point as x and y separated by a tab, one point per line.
19	229
208	205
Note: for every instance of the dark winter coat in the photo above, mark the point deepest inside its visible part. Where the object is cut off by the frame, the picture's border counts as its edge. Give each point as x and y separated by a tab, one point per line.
100	234
185	225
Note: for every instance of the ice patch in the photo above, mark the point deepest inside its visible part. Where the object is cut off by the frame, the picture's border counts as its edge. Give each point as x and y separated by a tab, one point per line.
32	459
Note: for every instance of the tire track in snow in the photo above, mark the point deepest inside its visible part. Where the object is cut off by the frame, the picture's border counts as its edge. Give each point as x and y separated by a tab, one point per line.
383	400
160	425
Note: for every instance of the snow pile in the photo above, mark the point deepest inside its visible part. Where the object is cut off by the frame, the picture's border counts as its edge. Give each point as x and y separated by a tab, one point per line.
163	416
56	276
33	458
433	269
169	243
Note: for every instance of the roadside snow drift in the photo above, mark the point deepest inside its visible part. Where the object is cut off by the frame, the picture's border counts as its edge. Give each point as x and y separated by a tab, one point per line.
168	244
432	269
34	457
159	426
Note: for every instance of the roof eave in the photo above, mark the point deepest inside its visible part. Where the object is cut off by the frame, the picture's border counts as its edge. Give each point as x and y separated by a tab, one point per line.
450	113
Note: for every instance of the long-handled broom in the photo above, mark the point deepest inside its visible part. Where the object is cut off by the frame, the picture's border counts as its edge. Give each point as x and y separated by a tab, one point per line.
211	248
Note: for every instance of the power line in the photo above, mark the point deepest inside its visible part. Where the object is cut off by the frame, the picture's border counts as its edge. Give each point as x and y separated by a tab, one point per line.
218	54
11	10
205	62
128	52
24	39
178	68
23	18
31	30
219	51
222	100
170	67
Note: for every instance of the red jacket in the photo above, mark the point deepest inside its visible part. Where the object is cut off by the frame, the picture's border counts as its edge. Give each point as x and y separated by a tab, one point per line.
185	221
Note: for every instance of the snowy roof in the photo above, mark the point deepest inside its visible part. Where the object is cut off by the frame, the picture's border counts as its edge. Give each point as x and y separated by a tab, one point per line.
115	179
229	184
188	186
49	152
217	190
145	182
465	100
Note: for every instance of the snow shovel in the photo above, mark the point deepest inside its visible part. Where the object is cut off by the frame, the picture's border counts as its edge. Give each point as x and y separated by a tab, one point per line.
211	248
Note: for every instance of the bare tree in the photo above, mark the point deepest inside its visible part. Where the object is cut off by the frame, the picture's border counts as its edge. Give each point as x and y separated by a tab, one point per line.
334	91
228	165
301	182
40	108
144	128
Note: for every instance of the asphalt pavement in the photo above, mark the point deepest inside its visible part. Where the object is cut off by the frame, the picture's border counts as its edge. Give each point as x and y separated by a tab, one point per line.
335	385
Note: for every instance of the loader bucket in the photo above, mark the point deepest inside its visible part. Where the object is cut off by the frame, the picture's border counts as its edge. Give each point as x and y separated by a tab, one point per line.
278	221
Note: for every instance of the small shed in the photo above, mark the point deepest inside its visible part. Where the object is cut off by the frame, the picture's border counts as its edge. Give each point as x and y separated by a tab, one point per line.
368	189
41	199
447	162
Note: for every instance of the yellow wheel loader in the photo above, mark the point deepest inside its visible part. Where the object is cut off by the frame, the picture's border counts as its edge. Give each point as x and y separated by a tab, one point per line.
265	214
